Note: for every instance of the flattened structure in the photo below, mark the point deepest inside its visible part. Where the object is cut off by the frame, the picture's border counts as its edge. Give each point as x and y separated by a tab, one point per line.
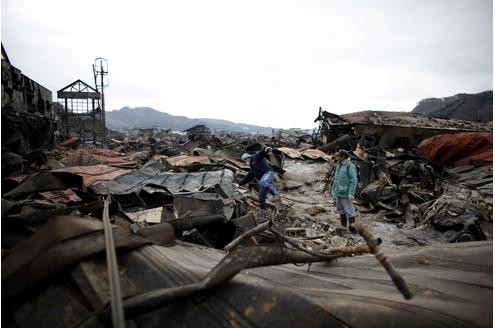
151	179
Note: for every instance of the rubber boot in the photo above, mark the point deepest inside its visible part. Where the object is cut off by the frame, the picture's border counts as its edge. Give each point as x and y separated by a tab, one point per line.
351	221
343	220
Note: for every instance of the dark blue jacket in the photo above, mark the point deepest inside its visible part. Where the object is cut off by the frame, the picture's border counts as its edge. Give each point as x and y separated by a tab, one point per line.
258	166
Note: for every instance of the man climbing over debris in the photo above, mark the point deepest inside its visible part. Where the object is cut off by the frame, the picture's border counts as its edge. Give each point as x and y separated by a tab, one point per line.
344	187
261	169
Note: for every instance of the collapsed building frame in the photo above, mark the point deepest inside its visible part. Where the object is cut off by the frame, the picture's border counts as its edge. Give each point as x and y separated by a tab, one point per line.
81	113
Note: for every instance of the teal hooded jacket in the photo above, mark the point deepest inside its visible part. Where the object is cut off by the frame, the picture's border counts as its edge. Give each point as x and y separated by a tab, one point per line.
345	179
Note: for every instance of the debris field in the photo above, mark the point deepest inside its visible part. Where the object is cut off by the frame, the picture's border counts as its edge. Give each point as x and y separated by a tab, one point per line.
154	227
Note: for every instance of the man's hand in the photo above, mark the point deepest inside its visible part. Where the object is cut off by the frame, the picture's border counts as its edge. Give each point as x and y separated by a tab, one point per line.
351	197
268	150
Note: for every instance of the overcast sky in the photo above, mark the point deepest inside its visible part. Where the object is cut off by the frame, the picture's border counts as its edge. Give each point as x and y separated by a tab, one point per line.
269	63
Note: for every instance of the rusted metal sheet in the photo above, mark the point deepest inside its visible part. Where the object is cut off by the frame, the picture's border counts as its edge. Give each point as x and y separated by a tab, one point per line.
117	159
46	181
94	174
54	232
315	154
185	160
72	142
61	196
70	252
291	152
457	149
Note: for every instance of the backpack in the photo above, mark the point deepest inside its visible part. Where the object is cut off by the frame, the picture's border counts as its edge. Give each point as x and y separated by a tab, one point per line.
358	174
358	171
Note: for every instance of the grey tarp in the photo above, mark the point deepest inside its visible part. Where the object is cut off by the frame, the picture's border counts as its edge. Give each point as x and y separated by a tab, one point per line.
151	179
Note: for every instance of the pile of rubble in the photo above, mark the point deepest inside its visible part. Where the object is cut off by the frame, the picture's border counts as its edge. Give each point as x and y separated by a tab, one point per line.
192	186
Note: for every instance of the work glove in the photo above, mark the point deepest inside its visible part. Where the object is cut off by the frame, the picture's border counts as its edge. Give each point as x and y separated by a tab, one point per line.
268	150
351	197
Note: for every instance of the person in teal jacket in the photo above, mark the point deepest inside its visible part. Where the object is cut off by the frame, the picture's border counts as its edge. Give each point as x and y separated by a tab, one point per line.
344	187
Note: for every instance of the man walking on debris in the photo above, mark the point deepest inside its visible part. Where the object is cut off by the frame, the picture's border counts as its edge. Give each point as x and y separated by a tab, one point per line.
344	187
261	169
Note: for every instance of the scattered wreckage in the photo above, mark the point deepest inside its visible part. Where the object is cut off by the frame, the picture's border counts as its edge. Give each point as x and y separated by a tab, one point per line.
185	245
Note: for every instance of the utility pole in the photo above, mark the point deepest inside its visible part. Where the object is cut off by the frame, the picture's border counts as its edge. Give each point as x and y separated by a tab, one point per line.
100	68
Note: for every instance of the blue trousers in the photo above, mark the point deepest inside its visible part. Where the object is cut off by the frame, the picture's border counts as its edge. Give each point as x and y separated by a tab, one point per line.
266	186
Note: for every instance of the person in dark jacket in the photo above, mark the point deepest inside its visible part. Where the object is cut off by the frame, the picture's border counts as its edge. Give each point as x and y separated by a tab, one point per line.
344	187
260	168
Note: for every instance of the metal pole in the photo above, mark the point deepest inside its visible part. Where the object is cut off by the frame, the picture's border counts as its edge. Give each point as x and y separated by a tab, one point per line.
116	303
96	87
104	134
66	119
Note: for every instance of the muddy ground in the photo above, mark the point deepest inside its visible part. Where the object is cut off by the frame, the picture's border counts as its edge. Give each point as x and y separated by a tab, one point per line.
312	207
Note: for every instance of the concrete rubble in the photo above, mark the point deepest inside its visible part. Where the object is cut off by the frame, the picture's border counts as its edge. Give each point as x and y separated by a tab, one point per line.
161	188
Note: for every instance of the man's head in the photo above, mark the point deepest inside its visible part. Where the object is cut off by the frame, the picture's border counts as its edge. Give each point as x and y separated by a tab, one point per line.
341	155
245	156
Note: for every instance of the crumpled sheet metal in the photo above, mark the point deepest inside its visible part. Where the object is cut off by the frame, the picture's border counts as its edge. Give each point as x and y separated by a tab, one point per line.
46	181
61	196
70	252
291	152
89	156
154	181
204	204
93	174
152	215
55	231
457	149
185	160
452	285
303	154
315	154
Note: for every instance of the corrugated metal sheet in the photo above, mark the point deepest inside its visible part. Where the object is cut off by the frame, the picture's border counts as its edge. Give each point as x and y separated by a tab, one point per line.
151	179
185	160
452	286
94	174
291	152
457	149
315	154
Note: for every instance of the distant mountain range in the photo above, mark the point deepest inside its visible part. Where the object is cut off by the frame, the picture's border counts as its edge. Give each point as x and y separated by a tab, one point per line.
470	107
144	117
